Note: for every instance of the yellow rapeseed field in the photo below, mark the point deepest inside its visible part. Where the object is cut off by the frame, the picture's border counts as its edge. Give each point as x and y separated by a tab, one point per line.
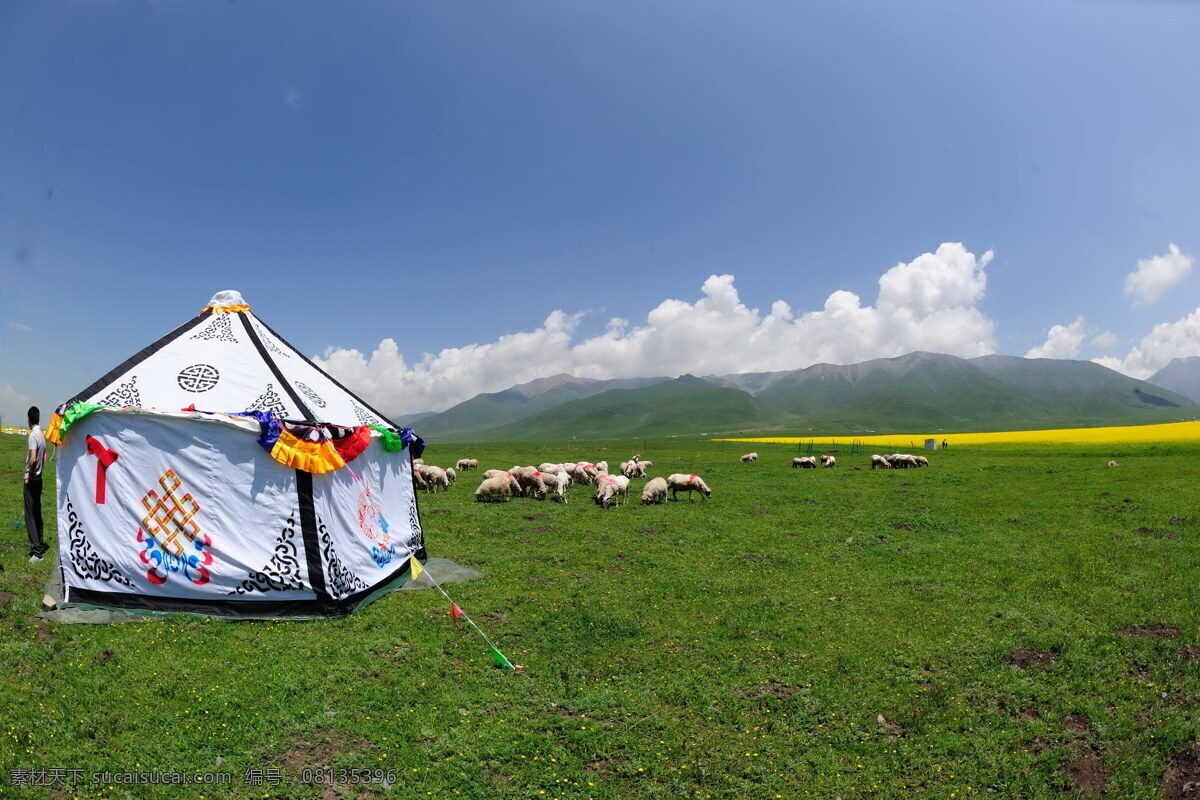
1128	434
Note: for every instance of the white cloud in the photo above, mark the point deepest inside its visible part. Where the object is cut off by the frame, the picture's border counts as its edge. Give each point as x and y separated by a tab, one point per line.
21	327
1062	342
293	97
1105	340
1153	276
13	406
1165	341
930	303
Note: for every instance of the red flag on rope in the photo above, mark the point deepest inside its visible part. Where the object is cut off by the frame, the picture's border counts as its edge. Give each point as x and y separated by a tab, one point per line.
455	613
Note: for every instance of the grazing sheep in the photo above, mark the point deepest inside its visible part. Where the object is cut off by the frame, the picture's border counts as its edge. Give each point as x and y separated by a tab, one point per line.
903	461
828	461
922	461
531	482
602	466
606	495
472	463
585	473
687	483
418	461
491	473
880	462
435	477
797	462
645	465
463	464
494	490
749	458
419	481
611	490
451	475
559	486
807	462
1113	464
655	491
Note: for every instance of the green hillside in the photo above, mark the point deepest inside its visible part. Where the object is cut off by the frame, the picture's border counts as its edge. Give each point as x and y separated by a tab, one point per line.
673	407
492	409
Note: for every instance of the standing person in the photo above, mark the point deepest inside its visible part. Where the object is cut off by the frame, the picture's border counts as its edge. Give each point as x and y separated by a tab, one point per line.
35	459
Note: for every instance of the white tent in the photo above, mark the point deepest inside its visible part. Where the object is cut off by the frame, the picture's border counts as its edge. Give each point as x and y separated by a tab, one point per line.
172	498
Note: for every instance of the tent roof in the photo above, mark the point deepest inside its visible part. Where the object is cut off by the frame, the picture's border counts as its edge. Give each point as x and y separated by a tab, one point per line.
226	359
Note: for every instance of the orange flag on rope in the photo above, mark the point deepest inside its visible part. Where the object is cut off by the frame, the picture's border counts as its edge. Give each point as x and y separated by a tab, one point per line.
455	613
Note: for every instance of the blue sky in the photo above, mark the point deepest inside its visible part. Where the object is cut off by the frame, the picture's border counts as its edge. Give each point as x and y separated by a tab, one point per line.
447	175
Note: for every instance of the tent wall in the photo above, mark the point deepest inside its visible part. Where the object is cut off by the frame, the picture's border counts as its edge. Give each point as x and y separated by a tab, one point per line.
197	517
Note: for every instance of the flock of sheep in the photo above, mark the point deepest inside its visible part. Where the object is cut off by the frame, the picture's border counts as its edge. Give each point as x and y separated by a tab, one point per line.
894	461
553	480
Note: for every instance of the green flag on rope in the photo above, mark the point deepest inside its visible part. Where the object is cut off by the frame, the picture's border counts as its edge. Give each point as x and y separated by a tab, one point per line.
500	660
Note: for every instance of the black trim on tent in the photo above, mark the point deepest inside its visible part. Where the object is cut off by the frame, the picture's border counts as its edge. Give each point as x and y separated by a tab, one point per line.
334	380
241	607
138	358
284	382
312	543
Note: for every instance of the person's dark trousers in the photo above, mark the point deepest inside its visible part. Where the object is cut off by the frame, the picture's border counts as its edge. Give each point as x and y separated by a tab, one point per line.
33	516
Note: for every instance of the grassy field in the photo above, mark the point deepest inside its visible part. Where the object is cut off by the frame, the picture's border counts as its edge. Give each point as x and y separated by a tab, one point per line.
815	634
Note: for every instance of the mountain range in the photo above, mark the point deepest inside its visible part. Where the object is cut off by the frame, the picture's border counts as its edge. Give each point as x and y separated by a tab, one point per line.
918	391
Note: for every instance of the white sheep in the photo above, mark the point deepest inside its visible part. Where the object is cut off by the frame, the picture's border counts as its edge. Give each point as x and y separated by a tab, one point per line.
418	461
880	462
419	481
922	461
1113	464
493	490
531	482
806	462
797	462
828	461
436	478
602	466
463	464
451	475
687	483
559	486
655	491
749	458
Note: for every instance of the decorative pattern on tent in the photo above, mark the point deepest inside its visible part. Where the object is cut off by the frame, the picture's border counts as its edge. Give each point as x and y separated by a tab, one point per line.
84	560
310	394
172	541
282	572
270	401
365	417
341	581
269	341
220	329
125	395
198	378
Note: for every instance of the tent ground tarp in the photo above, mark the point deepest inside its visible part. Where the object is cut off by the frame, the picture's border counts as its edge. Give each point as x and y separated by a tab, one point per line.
443	570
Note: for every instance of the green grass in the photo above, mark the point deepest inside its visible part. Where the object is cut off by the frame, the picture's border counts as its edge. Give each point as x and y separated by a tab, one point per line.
742	647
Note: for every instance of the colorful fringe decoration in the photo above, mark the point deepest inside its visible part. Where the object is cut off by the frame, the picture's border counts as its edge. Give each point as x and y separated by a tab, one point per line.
391	441
352	445
66	416
225	309
269	427
315	457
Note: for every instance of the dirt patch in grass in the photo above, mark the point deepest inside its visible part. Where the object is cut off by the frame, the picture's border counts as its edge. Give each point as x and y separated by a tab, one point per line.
532	517
1028	714
541	529
102	656
1026	659
1019	523
5	598
1181	778
648	532
601	766
1077	724
1087	773
900	526
1178	520
775	689
42	631
438	511
1190	653
1154	630
319	749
